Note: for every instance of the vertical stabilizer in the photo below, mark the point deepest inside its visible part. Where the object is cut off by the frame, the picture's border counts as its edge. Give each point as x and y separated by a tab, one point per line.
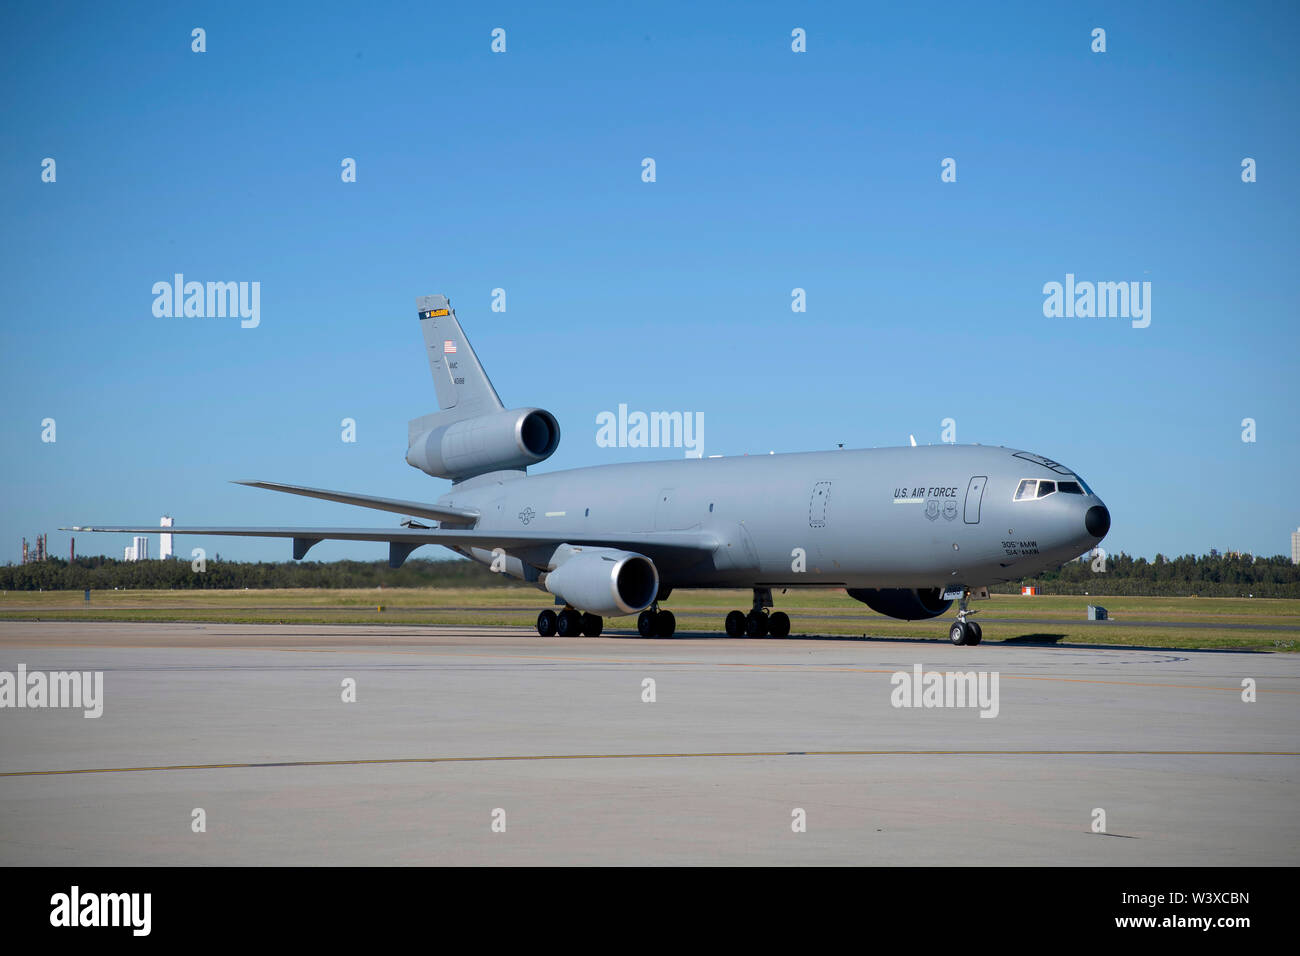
464	390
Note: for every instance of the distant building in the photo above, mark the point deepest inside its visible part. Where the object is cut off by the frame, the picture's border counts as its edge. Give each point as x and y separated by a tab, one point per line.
1295	546
165	540
1214	552
37	553
138	550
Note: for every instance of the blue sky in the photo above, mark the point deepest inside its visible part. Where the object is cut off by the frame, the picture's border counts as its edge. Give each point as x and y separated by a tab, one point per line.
522	171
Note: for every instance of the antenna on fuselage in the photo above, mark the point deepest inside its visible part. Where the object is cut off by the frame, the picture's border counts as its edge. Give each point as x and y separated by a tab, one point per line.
913	438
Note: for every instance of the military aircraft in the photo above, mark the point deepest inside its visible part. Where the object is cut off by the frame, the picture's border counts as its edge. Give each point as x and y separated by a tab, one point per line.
906	530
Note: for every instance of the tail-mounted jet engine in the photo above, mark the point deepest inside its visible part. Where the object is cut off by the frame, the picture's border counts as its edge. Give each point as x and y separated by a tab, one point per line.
513	438
906	604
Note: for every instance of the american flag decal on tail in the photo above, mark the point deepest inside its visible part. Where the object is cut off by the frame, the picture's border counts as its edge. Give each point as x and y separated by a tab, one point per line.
448	347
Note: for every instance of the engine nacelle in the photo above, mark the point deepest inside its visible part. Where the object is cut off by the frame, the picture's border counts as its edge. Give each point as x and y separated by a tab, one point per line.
906	604
602	580
515	438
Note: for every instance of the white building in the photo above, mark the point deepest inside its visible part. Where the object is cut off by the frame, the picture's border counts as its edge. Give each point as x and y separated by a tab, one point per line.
141	548
128	553
1295	546
165	540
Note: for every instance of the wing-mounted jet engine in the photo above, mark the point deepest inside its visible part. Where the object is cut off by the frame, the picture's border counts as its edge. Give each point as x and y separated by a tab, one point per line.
601	580
474	433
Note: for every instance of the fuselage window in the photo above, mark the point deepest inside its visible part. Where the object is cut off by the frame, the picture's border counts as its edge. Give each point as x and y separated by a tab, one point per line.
1045	488
1026	489
1069	487
710	507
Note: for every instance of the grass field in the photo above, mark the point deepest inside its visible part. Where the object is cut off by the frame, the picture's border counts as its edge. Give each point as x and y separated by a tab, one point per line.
1238	623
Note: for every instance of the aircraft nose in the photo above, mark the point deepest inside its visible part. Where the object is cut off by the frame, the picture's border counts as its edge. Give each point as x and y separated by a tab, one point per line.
1097	521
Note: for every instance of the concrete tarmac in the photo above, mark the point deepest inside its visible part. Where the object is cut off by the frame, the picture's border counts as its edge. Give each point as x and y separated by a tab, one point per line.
453	728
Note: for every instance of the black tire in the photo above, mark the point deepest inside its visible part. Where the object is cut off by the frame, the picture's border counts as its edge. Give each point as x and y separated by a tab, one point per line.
778	625
958	633
735	624
645	624
592	625
756	624
665	624
547	623
976	634
569	623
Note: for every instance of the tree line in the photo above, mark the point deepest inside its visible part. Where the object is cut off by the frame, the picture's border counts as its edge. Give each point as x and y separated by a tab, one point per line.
104	574
1204	576
1207	576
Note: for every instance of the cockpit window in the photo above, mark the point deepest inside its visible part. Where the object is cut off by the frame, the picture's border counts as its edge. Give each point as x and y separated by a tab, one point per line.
1030	488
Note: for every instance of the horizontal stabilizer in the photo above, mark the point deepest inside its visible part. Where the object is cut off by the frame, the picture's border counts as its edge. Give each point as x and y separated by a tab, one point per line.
395	505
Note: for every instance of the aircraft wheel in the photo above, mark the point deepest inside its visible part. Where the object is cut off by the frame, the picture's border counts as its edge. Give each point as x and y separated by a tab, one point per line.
645	624
735	624
546	623
958	633
592	625
665	624
569	623
778	625
756	624
976	633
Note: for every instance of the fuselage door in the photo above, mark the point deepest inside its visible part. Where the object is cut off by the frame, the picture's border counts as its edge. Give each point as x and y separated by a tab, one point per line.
974	495
821	496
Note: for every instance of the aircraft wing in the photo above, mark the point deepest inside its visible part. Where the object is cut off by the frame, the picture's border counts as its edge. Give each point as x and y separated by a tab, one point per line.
395	505
402	541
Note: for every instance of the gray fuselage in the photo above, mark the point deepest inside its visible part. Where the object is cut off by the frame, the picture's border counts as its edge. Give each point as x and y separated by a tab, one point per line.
910	517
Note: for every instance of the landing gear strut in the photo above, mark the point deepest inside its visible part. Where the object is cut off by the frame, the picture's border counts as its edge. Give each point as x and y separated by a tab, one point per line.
758	623
964	632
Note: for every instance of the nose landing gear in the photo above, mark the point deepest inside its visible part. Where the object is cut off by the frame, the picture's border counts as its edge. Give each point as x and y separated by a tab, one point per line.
964	632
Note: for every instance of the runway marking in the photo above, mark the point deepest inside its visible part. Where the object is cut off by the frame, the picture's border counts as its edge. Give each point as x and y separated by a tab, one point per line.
655	756
818	668
796	668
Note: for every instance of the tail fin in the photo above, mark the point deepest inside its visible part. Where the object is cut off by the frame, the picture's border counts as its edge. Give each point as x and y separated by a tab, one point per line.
464	390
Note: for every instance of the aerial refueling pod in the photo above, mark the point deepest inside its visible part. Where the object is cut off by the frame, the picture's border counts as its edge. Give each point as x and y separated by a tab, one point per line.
602	581
513	438
906	604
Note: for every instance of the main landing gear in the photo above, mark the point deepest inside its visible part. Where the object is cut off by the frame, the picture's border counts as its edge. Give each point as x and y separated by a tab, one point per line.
758	622
569	623
653	622
964	632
